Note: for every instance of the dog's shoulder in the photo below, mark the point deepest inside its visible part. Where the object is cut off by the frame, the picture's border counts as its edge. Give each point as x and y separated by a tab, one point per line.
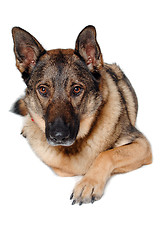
125	89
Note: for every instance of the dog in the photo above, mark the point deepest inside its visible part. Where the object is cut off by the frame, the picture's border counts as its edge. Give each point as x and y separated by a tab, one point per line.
80	112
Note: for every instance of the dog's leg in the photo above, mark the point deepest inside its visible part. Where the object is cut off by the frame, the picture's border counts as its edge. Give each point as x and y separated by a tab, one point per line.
118	160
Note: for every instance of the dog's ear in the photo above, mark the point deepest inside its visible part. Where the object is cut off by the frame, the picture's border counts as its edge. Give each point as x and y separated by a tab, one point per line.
27	50
88	48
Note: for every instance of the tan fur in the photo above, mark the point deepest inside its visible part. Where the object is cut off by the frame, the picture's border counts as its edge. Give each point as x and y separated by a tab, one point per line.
85	125
129	102
23	108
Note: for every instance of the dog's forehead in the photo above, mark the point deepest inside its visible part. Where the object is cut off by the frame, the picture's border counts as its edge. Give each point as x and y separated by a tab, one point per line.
59	65
59	58
54	63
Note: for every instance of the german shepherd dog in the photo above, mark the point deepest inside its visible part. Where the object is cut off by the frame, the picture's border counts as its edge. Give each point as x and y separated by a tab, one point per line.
80	112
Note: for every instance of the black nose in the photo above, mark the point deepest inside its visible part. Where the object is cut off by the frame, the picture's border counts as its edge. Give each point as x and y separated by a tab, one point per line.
58	132
60	136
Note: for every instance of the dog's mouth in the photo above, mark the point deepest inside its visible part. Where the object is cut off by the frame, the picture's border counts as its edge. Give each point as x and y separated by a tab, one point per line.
65	143
59	133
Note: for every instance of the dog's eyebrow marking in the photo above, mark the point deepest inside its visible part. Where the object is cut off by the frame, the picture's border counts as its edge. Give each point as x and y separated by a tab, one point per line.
43	82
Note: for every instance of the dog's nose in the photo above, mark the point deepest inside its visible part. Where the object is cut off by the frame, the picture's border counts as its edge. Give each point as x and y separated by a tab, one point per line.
59	132
59	136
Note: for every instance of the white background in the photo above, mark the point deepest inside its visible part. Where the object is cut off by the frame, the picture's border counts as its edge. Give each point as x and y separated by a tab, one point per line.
34	202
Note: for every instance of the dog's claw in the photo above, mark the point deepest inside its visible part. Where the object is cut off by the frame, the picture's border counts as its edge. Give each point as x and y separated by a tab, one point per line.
80	203
71	196
93	199
74	201
23	134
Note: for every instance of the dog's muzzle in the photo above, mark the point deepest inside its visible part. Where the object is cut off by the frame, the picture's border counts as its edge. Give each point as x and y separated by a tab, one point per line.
60	133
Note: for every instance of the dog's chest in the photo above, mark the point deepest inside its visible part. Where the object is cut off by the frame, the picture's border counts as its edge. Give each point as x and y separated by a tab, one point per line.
74	162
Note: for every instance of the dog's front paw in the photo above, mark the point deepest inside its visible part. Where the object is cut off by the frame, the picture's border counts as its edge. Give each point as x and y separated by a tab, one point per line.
88	190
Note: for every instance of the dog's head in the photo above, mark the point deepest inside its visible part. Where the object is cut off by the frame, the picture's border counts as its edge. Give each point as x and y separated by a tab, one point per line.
64	89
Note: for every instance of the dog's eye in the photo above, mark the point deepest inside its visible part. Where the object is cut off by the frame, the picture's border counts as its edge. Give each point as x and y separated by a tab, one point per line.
43	91
77	90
